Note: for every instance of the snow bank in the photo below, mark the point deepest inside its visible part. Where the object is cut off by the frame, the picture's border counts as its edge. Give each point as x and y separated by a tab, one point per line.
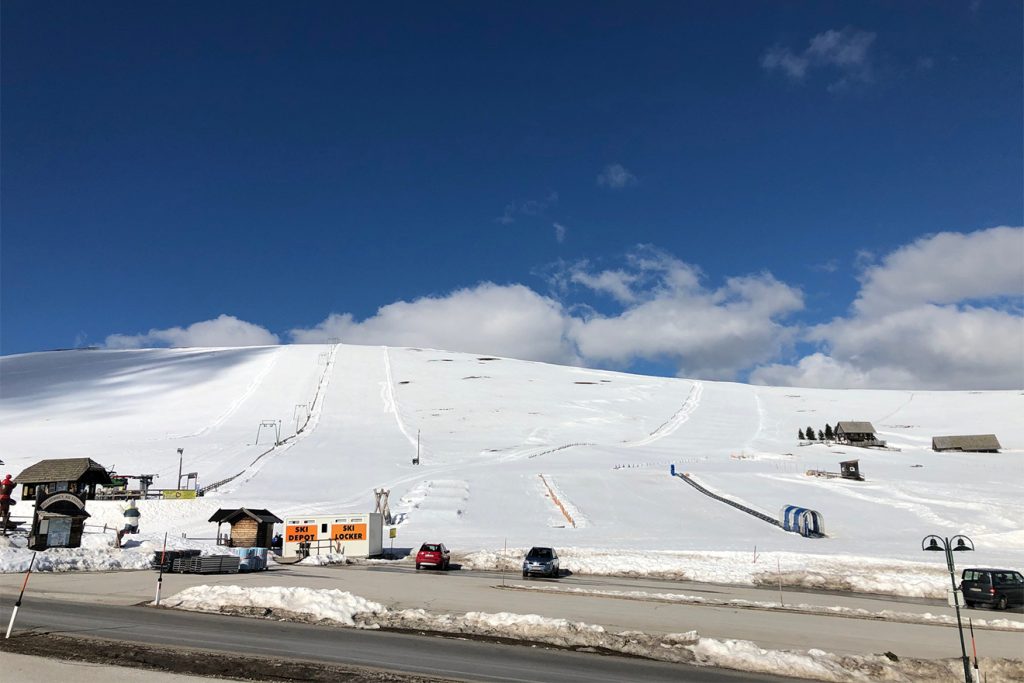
97	554
856	612
339	607
826	572
318	604
323	560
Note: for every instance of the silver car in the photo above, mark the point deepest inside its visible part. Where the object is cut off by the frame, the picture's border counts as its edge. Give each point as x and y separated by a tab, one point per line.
542	561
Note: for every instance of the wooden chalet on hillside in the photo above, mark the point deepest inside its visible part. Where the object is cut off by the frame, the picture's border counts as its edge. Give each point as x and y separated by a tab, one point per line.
857	434
971	443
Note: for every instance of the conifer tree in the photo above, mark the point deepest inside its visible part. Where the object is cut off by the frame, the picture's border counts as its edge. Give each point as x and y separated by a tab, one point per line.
810	433
828	432
821	435
801	436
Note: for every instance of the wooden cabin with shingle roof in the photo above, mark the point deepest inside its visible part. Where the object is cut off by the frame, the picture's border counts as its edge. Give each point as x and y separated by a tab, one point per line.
971	443
249	528
74	475
857	434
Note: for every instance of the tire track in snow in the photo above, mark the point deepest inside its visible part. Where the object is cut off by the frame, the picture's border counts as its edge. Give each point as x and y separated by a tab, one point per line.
677	420
387	395
255	384
902	406
760	421
669	426
312	420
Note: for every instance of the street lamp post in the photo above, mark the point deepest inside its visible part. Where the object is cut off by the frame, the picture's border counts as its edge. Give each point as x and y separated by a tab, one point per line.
949	545
180	451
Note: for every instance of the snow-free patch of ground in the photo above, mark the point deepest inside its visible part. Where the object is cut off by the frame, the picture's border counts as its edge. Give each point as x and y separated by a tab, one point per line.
342	608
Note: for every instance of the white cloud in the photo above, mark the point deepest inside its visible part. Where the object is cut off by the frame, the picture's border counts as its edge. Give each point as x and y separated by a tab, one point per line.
616	283
946	268
527	207
508	320
943	312
845	52
669	315
829	266
224	330
820	370
782	59
560	231
917	321
616	177
508	215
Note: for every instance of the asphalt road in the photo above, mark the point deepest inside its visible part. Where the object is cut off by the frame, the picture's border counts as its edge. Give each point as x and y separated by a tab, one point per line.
450	658
462	591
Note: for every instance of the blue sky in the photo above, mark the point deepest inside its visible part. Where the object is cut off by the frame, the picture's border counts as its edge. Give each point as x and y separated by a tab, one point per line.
612	168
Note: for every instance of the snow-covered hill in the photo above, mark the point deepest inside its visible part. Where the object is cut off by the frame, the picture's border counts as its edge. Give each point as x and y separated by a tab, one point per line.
501	439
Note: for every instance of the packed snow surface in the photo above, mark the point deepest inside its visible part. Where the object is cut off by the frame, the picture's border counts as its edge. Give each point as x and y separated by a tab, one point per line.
353	418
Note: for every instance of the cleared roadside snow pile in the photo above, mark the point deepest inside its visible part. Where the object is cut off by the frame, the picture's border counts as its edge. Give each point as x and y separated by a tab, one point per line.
826	666
339	607
857	612
852	573
312	604
97	553
325	559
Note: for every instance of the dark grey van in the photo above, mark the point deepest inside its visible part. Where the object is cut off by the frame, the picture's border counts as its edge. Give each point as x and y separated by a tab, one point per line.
998	588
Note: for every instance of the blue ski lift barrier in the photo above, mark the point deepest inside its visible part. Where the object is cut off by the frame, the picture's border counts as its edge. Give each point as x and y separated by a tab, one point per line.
803	521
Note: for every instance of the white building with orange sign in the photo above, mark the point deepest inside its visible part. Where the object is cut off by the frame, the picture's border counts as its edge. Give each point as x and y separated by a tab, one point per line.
356	534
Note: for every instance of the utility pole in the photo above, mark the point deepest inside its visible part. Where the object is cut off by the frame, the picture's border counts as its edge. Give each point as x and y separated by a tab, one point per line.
180	451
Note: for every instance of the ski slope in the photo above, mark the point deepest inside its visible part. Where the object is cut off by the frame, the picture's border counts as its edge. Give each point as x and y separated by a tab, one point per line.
500	440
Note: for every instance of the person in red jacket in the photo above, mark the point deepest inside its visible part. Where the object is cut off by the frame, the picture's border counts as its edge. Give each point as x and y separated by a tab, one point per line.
6	487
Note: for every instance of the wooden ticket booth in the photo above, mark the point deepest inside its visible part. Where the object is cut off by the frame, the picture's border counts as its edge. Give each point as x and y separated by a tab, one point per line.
58	521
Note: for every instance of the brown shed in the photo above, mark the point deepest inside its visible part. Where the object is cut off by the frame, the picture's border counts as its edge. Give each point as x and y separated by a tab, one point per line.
73	475
971	443
850	469
249	528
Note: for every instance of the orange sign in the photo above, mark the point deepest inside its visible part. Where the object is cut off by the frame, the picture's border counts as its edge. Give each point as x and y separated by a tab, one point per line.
299	533
348	532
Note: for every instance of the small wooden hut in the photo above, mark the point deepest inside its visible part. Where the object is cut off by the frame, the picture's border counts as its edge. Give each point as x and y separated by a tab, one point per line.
58	521
850	469
72	475
971	443
249	528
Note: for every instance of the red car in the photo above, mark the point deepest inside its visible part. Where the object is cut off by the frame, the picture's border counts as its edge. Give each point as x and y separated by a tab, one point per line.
433	555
